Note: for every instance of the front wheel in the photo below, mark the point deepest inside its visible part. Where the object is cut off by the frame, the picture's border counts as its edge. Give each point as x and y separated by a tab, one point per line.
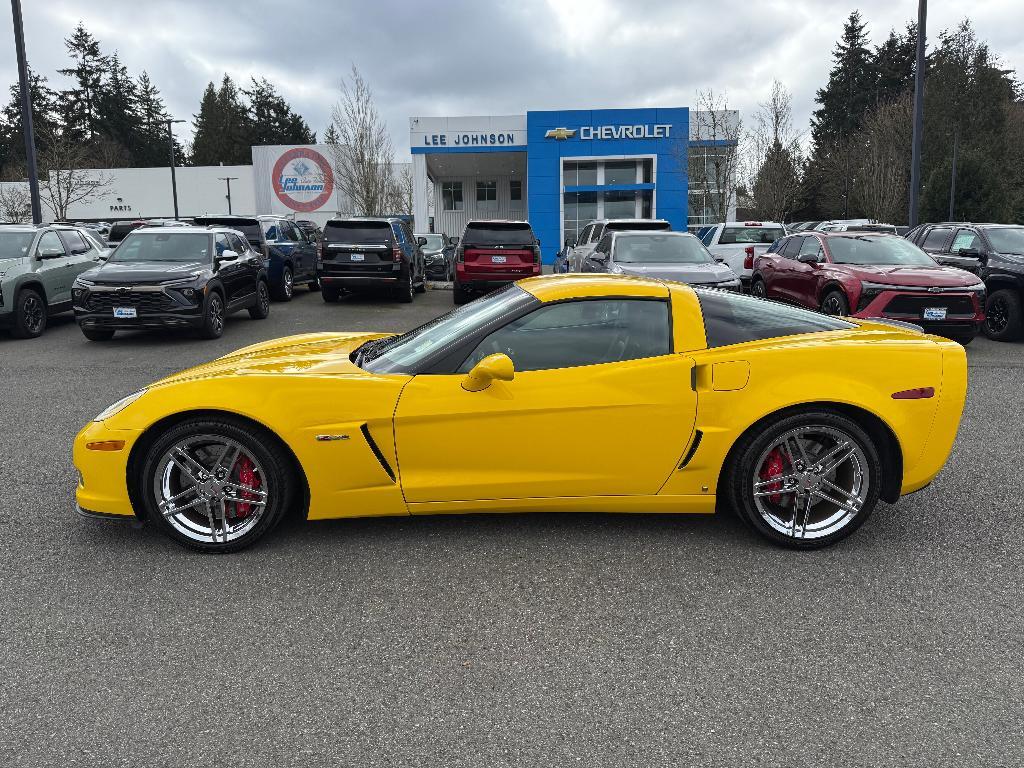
804	481
261	309
216	485
1004	318
29	314
213	318
835	303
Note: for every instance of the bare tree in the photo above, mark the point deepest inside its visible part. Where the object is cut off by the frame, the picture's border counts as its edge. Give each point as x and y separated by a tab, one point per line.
774	160
401	189
883	149
362	149
70	177
712	160
15	202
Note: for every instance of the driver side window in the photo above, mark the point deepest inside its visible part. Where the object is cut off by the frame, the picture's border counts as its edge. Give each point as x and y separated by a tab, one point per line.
577	333
811	247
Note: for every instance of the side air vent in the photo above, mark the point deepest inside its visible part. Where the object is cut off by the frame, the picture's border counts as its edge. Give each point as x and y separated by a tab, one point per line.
376	452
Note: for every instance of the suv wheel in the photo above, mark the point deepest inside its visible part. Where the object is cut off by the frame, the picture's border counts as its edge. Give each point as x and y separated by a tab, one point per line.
459	294
284	289
261	309
406	291
329	293
29	314
1004	320
213	318
758	288
314	284
835	303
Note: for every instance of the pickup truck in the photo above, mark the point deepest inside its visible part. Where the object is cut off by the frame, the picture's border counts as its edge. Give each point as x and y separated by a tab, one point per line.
738	243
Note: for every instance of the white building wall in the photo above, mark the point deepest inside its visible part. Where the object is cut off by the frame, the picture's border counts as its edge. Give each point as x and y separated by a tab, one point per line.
452	223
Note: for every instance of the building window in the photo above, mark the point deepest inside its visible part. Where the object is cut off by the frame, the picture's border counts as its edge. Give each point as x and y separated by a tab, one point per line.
515	190
620	172
487	195
451	194
579	174
580	210
619	205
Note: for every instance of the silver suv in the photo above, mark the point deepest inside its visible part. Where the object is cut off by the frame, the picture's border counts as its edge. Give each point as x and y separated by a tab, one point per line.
38	264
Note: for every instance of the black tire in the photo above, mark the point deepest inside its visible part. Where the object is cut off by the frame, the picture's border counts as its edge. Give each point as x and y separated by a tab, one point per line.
758	288
278	476
738	477
285	286
421	286
313	285
330	294
834	302
213	317
406	291
30	314
460	295
1004	318
98	334
261	309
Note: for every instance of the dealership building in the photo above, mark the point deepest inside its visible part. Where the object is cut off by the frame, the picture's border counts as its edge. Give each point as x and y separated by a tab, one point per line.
558	169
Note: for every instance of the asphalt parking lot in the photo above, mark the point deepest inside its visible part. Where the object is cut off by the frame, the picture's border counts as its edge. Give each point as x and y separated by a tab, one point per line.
498	640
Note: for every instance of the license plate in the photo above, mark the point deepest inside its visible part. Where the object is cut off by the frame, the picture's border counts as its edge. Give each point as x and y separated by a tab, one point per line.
125	312
357	257
935	313
498	259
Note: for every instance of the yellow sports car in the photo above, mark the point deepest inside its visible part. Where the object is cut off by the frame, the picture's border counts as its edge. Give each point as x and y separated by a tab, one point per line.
590	393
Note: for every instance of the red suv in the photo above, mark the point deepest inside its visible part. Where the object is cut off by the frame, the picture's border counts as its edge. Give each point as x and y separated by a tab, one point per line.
493	253
871	275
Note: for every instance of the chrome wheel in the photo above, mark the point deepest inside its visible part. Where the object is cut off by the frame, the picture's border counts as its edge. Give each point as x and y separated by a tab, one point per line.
216	314
758	289
833	305
287	282
264	298
210	488
811	482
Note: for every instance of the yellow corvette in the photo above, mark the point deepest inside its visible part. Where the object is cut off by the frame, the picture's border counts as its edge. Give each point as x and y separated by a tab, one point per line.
588	393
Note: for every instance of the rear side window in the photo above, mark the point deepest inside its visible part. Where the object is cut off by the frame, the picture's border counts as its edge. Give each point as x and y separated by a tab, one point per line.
731	318
750	235
791	248
75	242
936	239
363	232
493	233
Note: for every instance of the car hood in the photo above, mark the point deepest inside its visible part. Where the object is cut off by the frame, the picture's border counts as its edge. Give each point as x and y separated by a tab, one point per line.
945	277
113	273
683	273
317	354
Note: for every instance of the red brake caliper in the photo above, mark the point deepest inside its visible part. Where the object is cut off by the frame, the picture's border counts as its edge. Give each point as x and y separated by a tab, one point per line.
774	466
248	478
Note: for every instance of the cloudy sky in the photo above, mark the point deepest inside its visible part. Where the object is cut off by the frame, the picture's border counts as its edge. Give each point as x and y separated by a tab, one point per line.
485	57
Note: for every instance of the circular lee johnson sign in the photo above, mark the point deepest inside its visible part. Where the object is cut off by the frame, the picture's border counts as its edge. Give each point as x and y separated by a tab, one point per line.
303	179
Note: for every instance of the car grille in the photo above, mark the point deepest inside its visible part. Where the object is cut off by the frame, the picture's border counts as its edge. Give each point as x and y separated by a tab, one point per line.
915	305
144	302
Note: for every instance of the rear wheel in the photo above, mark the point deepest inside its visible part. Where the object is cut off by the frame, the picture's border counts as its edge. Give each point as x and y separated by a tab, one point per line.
98	334
460	295
216	485
758	288
329	294
1004	319
314	284
29	314
835	303
261	309
285	286
405	291
804	481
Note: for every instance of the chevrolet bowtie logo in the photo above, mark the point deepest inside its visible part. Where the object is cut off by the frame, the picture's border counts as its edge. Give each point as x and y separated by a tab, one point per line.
560	133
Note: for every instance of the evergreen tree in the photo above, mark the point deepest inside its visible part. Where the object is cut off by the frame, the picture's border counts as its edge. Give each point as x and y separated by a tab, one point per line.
152	146
895	60
331	135
79	103
222	127
45	122
272	120
850	88
117	117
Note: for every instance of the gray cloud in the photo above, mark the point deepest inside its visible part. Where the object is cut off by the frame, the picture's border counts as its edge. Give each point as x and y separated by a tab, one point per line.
463	57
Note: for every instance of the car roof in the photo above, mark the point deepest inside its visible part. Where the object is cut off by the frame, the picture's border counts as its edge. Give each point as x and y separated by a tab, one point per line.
497	221
580	285
628	220
846	233
187	229
648	233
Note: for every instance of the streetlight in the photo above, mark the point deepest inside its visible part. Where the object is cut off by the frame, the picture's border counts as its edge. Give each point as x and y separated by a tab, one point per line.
174	181
915	139
26	113
228	180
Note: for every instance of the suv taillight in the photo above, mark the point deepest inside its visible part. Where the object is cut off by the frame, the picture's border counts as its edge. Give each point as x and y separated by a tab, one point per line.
748	261
536	254
396	254
460	253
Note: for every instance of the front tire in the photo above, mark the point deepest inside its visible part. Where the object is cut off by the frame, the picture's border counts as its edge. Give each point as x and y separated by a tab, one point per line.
216	485
213	317
1004	318
29	314
460	295
835	303
804	481
261	309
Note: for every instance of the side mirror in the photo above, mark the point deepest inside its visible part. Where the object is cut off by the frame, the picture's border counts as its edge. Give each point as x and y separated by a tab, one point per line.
227	255
973	252
496	366
808	258
453	242
50	253
599	256
719	260
421	241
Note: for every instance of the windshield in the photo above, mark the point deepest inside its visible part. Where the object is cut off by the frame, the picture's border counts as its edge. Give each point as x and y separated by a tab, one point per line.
14	245
877	249
434	242
660	249
172	247
748	235
489	233
402	354
1007	239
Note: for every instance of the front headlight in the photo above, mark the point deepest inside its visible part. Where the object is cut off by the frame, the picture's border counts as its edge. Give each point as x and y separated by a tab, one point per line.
81	282
120	405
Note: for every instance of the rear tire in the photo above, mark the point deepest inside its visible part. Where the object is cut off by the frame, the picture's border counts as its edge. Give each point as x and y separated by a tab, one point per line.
329	294
29	314
314	285
835	303
98	334
285	286
758	288
460	295
261	309
1004	318
405	291
780	511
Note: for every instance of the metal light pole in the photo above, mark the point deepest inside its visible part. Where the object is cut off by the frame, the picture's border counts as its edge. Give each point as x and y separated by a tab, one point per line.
952	177
228	180
26	113
174	181
915	143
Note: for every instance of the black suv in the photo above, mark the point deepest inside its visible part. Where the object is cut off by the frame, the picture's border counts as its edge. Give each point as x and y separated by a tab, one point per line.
994	252
288	253
366	252
174	277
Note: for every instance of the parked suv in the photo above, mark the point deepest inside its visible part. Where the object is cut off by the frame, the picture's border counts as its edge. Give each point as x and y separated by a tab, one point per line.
739	242
577	253
37	267
288	253
120	229
369	252
172	277
995	252
493	253
868	274
439	256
